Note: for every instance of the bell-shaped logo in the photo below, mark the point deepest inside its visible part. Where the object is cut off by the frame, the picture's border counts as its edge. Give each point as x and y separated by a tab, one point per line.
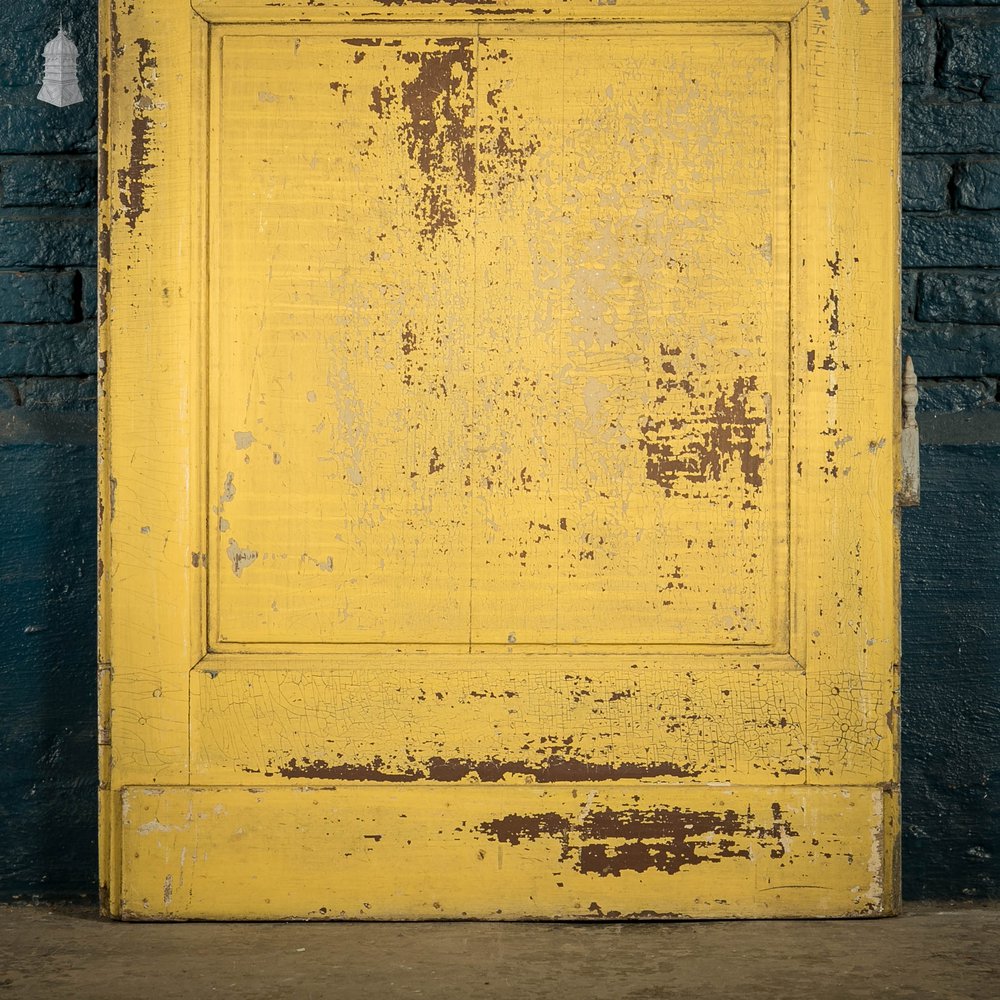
59	85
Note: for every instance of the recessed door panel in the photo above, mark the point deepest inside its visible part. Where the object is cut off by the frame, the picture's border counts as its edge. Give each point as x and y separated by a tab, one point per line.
502	348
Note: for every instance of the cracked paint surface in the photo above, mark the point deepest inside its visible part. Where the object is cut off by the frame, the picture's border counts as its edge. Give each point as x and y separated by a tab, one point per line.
549	720
499	584
605	852
523	370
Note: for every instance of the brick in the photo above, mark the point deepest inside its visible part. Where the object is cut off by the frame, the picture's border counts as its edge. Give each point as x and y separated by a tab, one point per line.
969	55
64	395
28	125
925	184
88	293
977	184
933	125
955	395
48	349
952	349
37	296
65	181
972	297
909	292
26	27
47	239
918	48
965	240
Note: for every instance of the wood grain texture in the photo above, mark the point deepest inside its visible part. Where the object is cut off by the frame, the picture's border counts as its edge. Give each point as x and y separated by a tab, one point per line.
522	719
550	362
514	375
473	852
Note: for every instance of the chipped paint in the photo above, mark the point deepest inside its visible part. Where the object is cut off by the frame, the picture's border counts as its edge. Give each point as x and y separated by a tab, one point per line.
609	842
486	402
499	581
559	853
436	125
103	272
435	115
727	435
622	720
132	178
555	767
239	557
104	129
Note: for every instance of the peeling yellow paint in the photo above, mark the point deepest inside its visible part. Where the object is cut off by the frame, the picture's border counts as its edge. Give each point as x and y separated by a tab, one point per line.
495	492
561	418
535	719
563	853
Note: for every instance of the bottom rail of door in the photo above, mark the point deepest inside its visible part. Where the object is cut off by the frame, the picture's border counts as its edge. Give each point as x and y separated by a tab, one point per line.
609	851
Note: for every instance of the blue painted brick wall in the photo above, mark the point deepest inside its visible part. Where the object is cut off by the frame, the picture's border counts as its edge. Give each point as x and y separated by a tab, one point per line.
951	189
951	326
951	573
47	462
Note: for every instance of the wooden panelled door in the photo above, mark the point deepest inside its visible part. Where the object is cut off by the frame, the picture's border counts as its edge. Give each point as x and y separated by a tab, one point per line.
499	459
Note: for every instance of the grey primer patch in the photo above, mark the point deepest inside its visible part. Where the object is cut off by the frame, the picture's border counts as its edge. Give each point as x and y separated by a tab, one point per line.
240	558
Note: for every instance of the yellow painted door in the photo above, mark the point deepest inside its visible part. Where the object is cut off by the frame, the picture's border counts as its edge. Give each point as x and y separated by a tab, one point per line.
499	459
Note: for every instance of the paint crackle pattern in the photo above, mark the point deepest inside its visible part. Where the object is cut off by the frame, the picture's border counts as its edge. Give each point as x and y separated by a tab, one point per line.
617	726
488	312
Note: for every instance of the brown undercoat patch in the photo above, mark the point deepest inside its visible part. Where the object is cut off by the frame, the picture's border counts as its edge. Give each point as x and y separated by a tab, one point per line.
728	436
437	126
554	767
436	114
104	130
132	178
608	841
103	270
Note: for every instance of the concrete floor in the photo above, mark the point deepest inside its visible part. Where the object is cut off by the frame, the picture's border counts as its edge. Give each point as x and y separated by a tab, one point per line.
932	951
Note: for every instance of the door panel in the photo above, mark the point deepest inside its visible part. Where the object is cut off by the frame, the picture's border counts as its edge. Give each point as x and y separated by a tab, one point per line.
498	428
540	718
545	341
